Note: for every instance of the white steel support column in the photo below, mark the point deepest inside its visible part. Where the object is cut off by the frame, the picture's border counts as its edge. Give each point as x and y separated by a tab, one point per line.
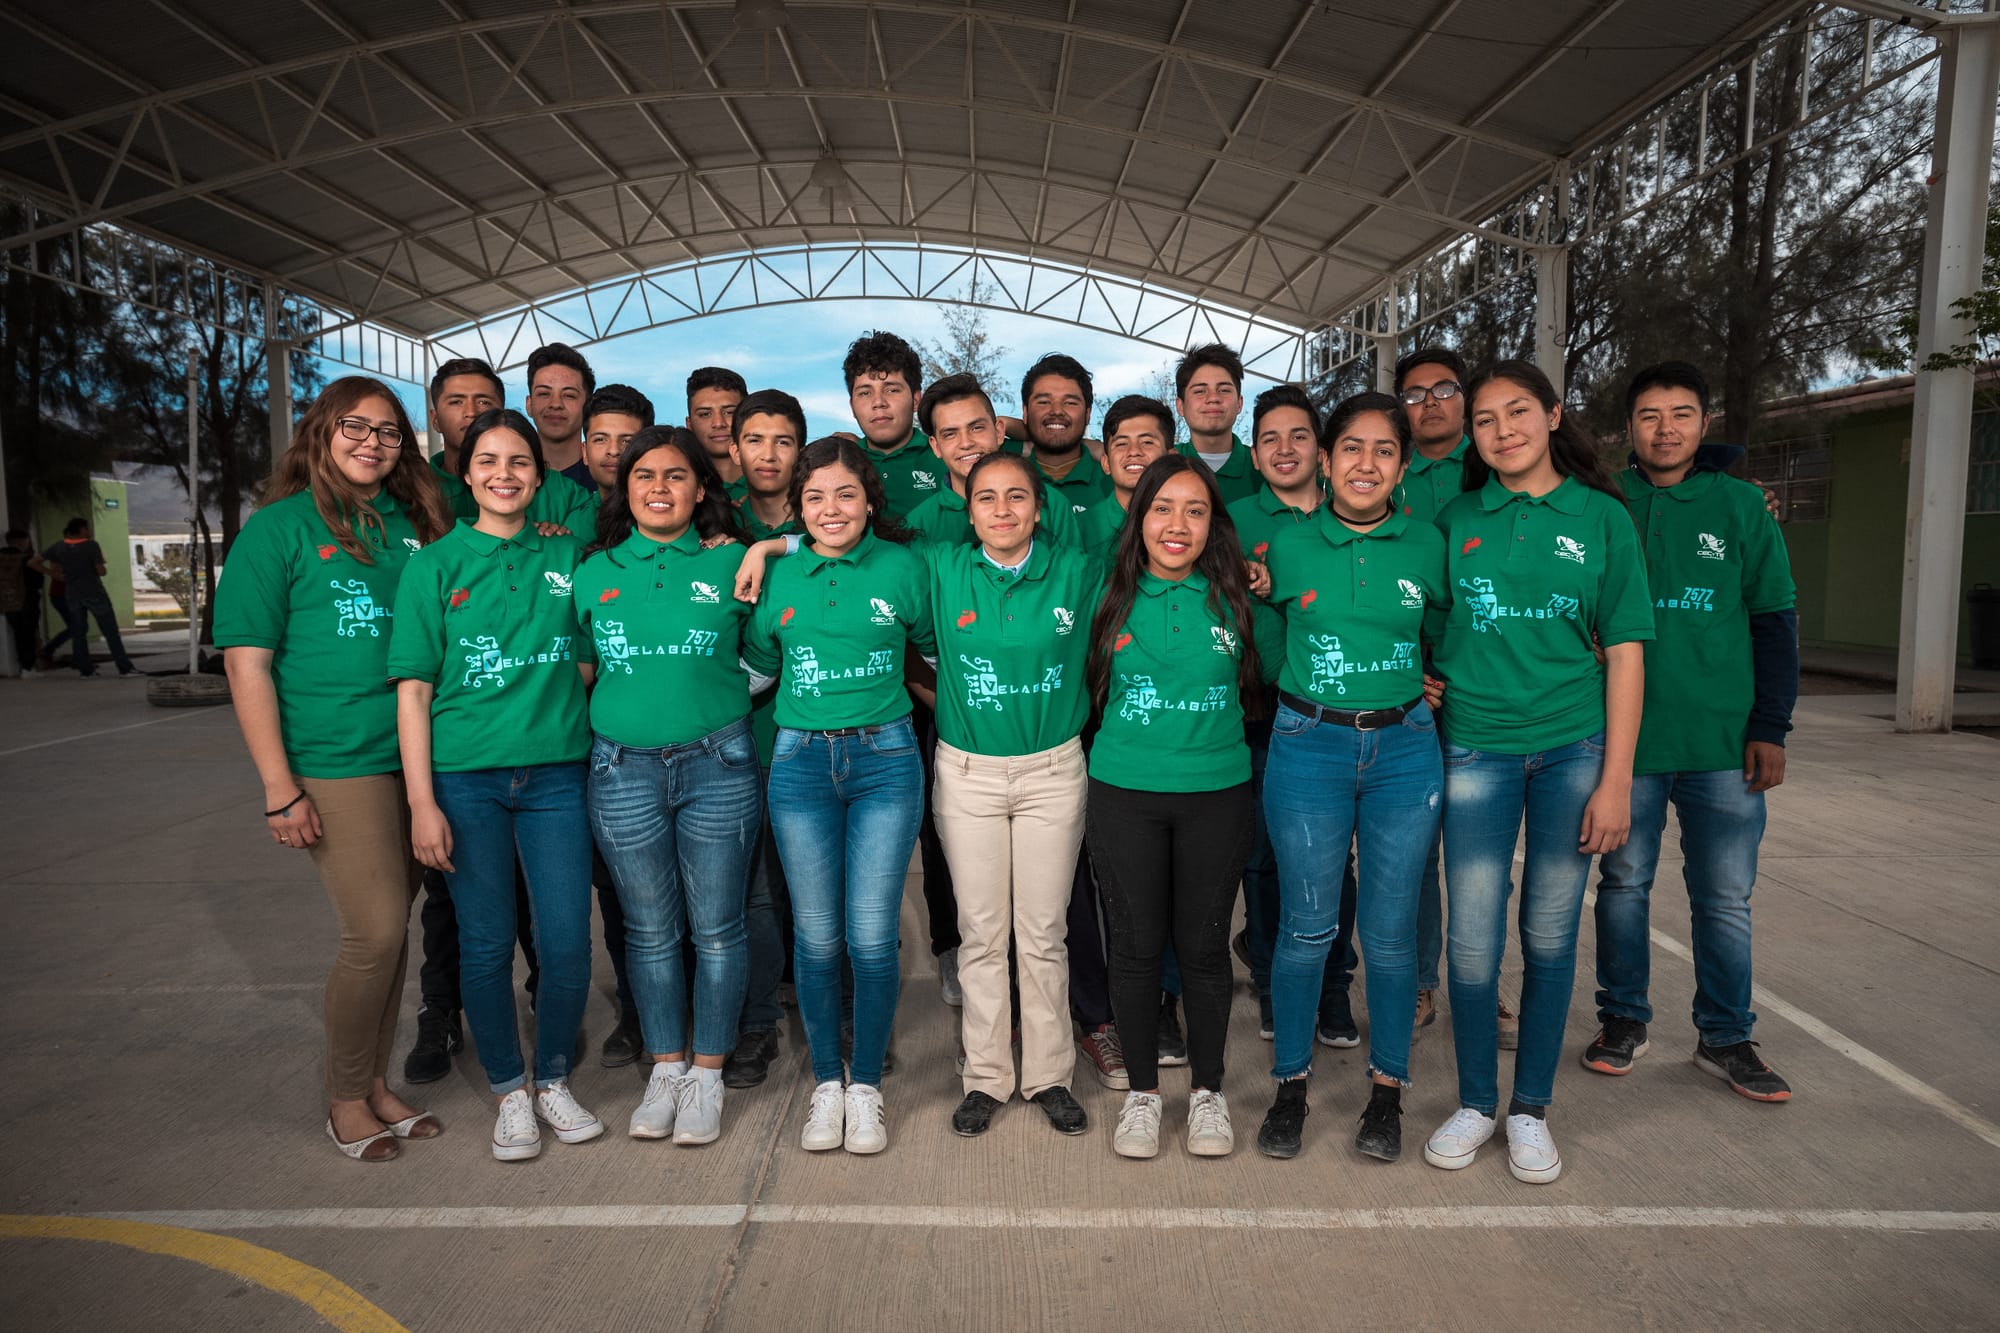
1941	424
1551	310
278	379
1385	336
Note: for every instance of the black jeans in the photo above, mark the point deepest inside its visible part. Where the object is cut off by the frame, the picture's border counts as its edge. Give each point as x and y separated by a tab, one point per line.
1169	864
22	624
940	903
1089	977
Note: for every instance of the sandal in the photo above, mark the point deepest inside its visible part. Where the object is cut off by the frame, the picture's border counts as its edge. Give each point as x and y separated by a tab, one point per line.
359	1150
429	1124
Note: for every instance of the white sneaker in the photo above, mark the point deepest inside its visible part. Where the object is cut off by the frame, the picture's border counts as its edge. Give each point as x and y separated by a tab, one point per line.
698	1113
826	1117
866	1132
1531	1150
948	987
1138	1132
1459	1139
654	1118
1208	1130
559	1109
516	1137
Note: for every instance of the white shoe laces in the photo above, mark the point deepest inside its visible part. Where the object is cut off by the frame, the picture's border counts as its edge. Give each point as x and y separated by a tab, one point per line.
1107	1042
560	1107
864	1108
517	1119
827	1104
1466	1124
1208	1114
1140	1115
1531	1134
659	1086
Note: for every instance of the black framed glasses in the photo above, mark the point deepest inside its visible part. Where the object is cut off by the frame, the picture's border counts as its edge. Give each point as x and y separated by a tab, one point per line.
1443	391
354	428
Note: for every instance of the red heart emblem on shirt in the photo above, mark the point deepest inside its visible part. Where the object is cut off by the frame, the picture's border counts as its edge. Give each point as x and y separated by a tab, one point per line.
1118	644
1470	543
966	618
459	596
1308	597
608	595
786	618
326	552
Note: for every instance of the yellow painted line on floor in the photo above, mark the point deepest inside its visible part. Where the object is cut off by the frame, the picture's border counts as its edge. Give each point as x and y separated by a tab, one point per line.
326	1296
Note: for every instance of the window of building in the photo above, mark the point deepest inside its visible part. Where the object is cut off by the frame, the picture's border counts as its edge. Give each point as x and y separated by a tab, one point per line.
1982	481
1800	470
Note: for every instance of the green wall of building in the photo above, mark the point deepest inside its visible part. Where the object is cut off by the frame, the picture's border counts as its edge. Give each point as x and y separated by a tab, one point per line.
111	531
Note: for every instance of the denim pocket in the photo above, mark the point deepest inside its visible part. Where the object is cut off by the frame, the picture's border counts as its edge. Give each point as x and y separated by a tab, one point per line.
898	738
603	757
1291	722
789	743
738	751
1457	756
1593	745
1421	719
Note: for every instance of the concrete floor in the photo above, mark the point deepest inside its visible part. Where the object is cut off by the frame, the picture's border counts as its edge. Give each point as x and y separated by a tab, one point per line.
160	964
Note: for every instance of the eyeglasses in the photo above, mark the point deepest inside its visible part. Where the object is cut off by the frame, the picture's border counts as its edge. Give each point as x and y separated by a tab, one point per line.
1443	391
354	428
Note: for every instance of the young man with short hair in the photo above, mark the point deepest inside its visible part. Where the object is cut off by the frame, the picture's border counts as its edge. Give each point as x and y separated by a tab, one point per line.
958	419
1430	382
1056	396
80	562
1721	679
1208	391
713	394
460	390
766	434
1137	430
614	414
884	376
560	382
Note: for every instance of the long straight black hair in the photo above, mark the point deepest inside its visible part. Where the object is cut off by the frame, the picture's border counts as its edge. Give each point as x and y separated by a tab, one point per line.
1220	562
1570	449
714	516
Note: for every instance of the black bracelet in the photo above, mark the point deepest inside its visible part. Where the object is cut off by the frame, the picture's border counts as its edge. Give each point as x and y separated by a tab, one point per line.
273	814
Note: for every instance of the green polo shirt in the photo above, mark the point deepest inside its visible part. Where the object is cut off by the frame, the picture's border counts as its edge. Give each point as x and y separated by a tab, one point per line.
325	616
1260	516
910	475
1011	648
1354	607
764	708
837	627
1173	720
1097	527
489	622
737	490
667	631
757	529
944	520
558	500
1530	581
1431	483
1081	487
1236	478
1714	558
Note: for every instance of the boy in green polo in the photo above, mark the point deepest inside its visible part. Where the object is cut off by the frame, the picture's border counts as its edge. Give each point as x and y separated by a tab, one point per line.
884	376
1208	389
1721	678
714	394
461	391
1056	395
1137	430
612	416
962	428
1431	384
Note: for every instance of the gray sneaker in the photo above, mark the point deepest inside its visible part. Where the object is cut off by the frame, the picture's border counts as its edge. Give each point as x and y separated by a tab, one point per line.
654	1118
948	987
1138	1132
698	1107
1208	1130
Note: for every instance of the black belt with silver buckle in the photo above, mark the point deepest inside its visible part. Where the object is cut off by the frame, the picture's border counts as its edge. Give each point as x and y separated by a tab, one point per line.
856	731
1366	719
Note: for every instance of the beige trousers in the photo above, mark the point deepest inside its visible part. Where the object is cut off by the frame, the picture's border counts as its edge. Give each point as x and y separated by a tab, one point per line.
1011	828
371	875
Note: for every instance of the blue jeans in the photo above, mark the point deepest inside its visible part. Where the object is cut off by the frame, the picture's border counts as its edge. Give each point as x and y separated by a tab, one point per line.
678	826
77	612
1430	921
1260	906
845	809
538	813
1329	786
1486	796
1722	822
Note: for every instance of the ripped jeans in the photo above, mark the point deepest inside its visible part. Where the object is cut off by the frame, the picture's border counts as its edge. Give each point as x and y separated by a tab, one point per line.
1327	786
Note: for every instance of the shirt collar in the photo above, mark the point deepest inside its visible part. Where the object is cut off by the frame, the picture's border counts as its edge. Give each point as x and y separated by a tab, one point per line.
814	560
1567	498
1421	463
485	543
1152	585
1339	534
639	544
1033	565
917	438
1690	488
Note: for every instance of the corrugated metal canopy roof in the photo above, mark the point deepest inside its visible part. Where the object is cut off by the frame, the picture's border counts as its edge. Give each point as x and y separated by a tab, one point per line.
425	163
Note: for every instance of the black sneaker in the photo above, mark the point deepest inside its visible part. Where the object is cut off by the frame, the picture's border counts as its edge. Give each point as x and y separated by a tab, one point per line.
1617	1046
1336	1022
1381	1132
439	1037
1744	1070
1267	1023
974	1115
1239	944
1285	1122
1173	1045
1062	1110
750	1063
623	1046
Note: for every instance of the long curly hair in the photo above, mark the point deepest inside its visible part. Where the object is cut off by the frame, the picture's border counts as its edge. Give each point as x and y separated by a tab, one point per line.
1220	561
832	451
309	465
713	516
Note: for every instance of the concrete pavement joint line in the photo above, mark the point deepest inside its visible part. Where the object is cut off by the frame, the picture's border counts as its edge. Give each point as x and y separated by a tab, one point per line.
1465	1218
107	731
220	988
325	1295
726	1282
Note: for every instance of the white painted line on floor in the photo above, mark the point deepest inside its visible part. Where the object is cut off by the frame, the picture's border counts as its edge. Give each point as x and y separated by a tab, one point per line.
220	988
107	731
627	1216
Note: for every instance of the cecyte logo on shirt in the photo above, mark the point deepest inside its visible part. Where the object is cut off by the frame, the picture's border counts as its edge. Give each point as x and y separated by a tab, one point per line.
706	594
558	583
1569	548
923	481
358	610
411	543
1412	595
884	613
1711	547
1065	620
1222	640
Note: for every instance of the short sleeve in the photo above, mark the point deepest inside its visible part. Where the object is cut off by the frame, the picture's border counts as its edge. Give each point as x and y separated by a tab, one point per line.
1268	632
760	633
416	643
917	615
253	597
1767	564
1624	609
